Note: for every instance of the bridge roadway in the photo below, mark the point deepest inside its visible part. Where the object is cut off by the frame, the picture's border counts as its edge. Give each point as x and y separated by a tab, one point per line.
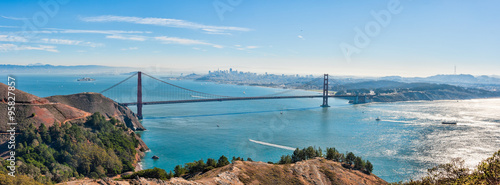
237	98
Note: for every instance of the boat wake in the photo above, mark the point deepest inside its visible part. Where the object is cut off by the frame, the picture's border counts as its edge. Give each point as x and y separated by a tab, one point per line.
273	145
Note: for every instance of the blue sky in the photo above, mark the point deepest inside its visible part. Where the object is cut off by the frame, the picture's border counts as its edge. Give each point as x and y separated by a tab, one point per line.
421	38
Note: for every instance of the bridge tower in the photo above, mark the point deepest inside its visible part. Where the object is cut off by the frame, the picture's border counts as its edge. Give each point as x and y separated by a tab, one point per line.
139	95
325	91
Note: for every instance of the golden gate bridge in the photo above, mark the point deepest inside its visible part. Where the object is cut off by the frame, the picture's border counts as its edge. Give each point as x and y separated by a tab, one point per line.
177	94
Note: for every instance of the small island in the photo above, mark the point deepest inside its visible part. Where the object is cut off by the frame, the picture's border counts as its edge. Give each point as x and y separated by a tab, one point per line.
86	79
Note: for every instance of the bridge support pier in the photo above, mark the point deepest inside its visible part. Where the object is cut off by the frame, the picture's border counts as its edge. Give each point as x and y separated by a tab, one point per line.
139	95
325	91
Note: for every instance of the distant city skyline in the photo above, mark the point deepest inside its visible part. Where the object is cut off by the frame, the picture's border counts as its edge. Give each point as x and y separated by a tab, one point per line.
382	38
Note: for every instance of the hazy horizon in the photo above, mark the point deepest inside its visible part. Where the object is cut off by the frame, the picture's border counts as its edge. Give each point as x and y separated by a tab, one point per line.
176	72
382	38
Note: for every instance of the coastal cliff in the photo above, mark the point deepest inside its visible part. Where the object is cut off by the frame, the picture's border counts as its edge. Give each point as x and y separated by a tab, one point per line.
95	102
62	108
56	135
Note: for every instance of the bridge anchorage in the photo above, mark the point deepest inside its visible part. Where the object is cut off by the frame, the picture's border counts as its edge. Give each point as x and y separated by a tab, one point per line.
176	94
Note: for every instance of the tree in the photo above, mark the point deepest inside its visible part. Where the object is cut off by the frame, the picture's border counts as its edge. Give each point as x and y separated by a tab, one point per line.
341	157
44	133
236	159
331	153
179	171
369	167
211	162
156	173
350	157
452	171
285	159
296	155
319	152
310	153
222	161
359	164
196	166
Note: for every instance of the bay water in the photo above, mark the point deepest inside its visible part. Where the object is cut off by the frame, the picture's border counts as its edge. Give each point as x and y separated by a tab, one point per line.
407	140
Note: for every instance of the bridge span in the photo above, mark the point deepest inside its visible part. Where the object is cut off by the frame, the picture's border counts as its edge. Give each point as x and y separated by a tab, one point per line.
237	98
206	97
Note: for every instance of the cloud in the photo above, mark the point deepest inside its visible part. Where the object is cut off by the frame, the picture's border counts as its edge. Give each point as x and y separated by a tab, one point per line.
130	48
14	18
72	31
70	42
12	47
195	48
164	40
301	37
9	26
107	32
175	40
176	23
127	37
61	41
12	38
242	48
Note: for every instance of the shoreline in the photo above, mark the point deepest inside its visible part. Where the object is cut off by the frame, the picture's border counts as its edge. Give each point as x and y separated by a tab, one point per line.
139	166
401	97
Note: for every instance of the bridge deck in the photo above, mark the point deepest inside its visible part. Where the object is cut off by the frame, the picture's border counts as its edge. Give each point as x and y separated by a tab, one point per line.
236	98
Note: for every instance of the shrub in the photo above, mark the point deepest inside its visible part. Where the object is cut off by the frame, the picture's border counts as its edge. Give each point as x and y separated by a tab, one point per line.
155	173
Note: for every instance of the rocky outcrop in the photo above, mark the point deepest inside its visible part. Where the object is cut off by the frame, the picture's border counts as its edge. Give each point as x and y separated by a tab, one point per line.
95	102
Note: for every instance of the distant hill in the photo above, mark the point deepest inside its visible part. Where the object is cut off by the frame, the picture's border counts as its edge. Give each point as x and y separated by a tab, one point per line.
465	80
461	78
379	84
46	68
390	91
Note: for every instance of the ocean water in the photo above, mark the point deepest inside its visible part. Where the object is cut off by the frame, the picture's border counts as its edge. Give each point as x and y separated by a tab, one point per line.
408	140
